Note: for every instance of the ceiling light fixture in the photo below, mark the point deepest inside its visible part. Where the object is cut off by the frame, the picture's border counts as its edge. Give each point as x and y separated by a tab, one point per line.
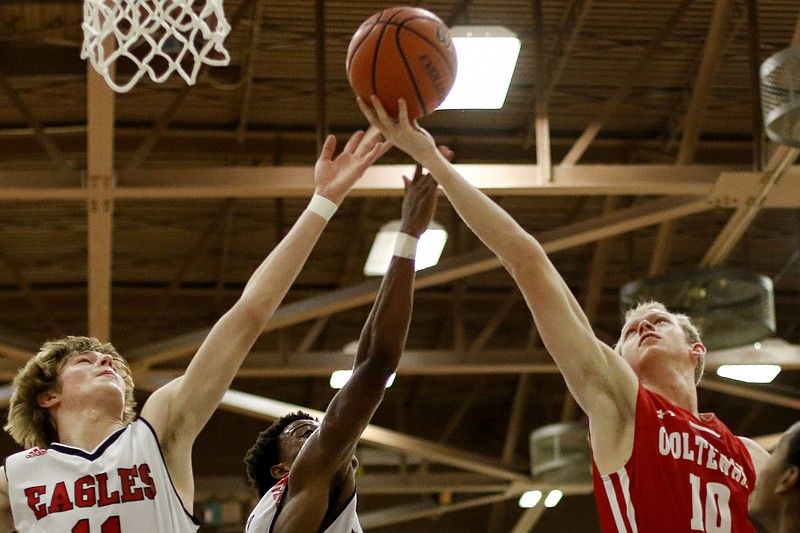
429	248
530	498
553	498
487	56
750	373
340	377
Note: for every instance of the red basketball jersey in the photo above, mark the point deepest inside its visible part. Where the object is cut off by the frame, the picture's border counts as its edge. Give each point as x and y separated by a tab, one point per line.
685	474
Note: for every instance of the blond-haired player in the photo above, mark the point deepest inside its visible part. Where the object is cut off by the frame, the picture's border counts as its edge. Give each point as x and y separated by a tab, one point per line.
92	466
659	464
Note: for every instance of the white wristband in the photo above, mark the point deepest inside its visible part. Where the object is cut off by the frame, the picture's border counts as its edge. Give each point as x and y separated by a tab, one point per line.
322	206
405	246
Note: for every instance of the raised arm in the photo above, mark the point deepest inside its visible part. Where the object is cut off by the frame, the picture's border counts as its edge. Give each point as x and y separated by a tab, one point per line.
180	409
602	383
328	453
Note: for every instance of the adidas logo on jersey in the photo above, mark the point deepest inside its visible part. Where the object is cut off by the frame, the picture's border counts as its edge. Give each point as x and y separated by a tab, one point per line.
36	452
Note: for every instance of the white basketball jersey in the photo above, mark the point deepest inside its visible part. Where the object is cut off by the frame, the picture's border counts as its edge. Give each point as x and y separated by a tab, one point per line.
122	486
262	518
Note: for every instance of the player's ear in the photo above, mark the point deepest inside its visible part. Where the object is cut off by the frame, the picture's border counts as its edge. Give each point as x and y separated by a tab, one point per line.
698	350
789	480
47	399
278	471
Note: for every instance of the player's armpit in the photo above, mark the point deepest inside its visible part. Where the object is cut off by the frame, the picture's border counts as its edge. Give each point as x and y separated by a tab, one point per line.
6	519
758	455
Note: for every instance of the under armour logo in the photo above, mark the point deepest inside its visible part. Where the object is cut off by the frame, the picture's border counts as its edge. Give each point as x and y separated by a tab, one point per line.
661	413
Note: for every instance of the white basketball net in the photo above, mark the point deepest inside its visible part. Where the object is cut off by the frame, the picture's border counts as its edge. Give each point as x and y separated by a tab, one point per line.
158	37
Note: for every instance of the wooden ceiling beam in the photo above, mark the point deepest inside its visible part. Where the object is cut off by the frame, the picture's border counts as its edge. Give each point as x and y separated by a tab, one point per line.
427	483
249	68
381	181
406	513
99	202
486	362
265	408
413	363
369	481
540	105
529	519
723	186
744	215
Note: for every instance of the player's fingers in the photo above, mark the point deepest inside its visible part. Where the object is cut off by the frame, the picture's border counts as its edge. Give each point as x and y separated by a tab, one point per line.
328	147
377	151
370	138
446	152
383	117
432	183
417	172
423	180
370	113
402	114
354	142
371	135
381	148
365	108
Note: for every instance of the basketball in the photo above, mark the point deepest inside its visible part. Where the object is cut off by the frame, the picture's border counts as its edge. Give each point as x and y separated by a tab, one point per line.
402	52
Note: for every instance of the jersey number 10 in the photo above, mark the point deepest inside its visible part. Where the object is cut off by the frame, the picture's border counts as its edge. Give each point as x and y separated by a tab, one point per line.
715	516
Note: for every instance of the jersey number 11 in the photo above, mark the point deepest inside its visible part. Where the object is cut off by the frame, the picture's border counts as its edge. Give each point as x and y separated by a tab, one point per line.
111	525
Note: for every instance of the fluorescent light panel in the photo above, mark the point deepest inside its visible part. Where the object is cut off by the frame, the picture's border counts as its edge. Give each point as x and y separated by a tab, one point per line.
429	248
530	498
553	498
340	377
750	373
487	56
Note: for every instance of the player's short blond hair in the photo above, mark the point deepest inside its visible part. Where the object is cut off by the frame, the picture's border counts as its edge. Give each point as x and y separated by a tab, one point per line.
30	424
691	331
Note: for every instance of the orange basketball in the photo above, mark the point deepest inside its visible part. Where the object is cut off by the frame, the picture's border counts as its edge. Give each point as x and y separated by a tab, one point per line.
403	52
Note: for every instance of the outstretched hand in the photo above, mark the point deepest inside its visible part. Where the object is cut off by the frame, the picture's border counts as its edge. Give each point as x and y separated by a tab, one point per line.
419	202
404	133
334	177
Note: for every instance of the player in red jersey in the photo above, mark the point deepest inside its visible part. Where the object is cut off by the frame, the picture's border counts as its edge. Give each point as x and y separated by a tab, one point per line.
775	503
659	464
